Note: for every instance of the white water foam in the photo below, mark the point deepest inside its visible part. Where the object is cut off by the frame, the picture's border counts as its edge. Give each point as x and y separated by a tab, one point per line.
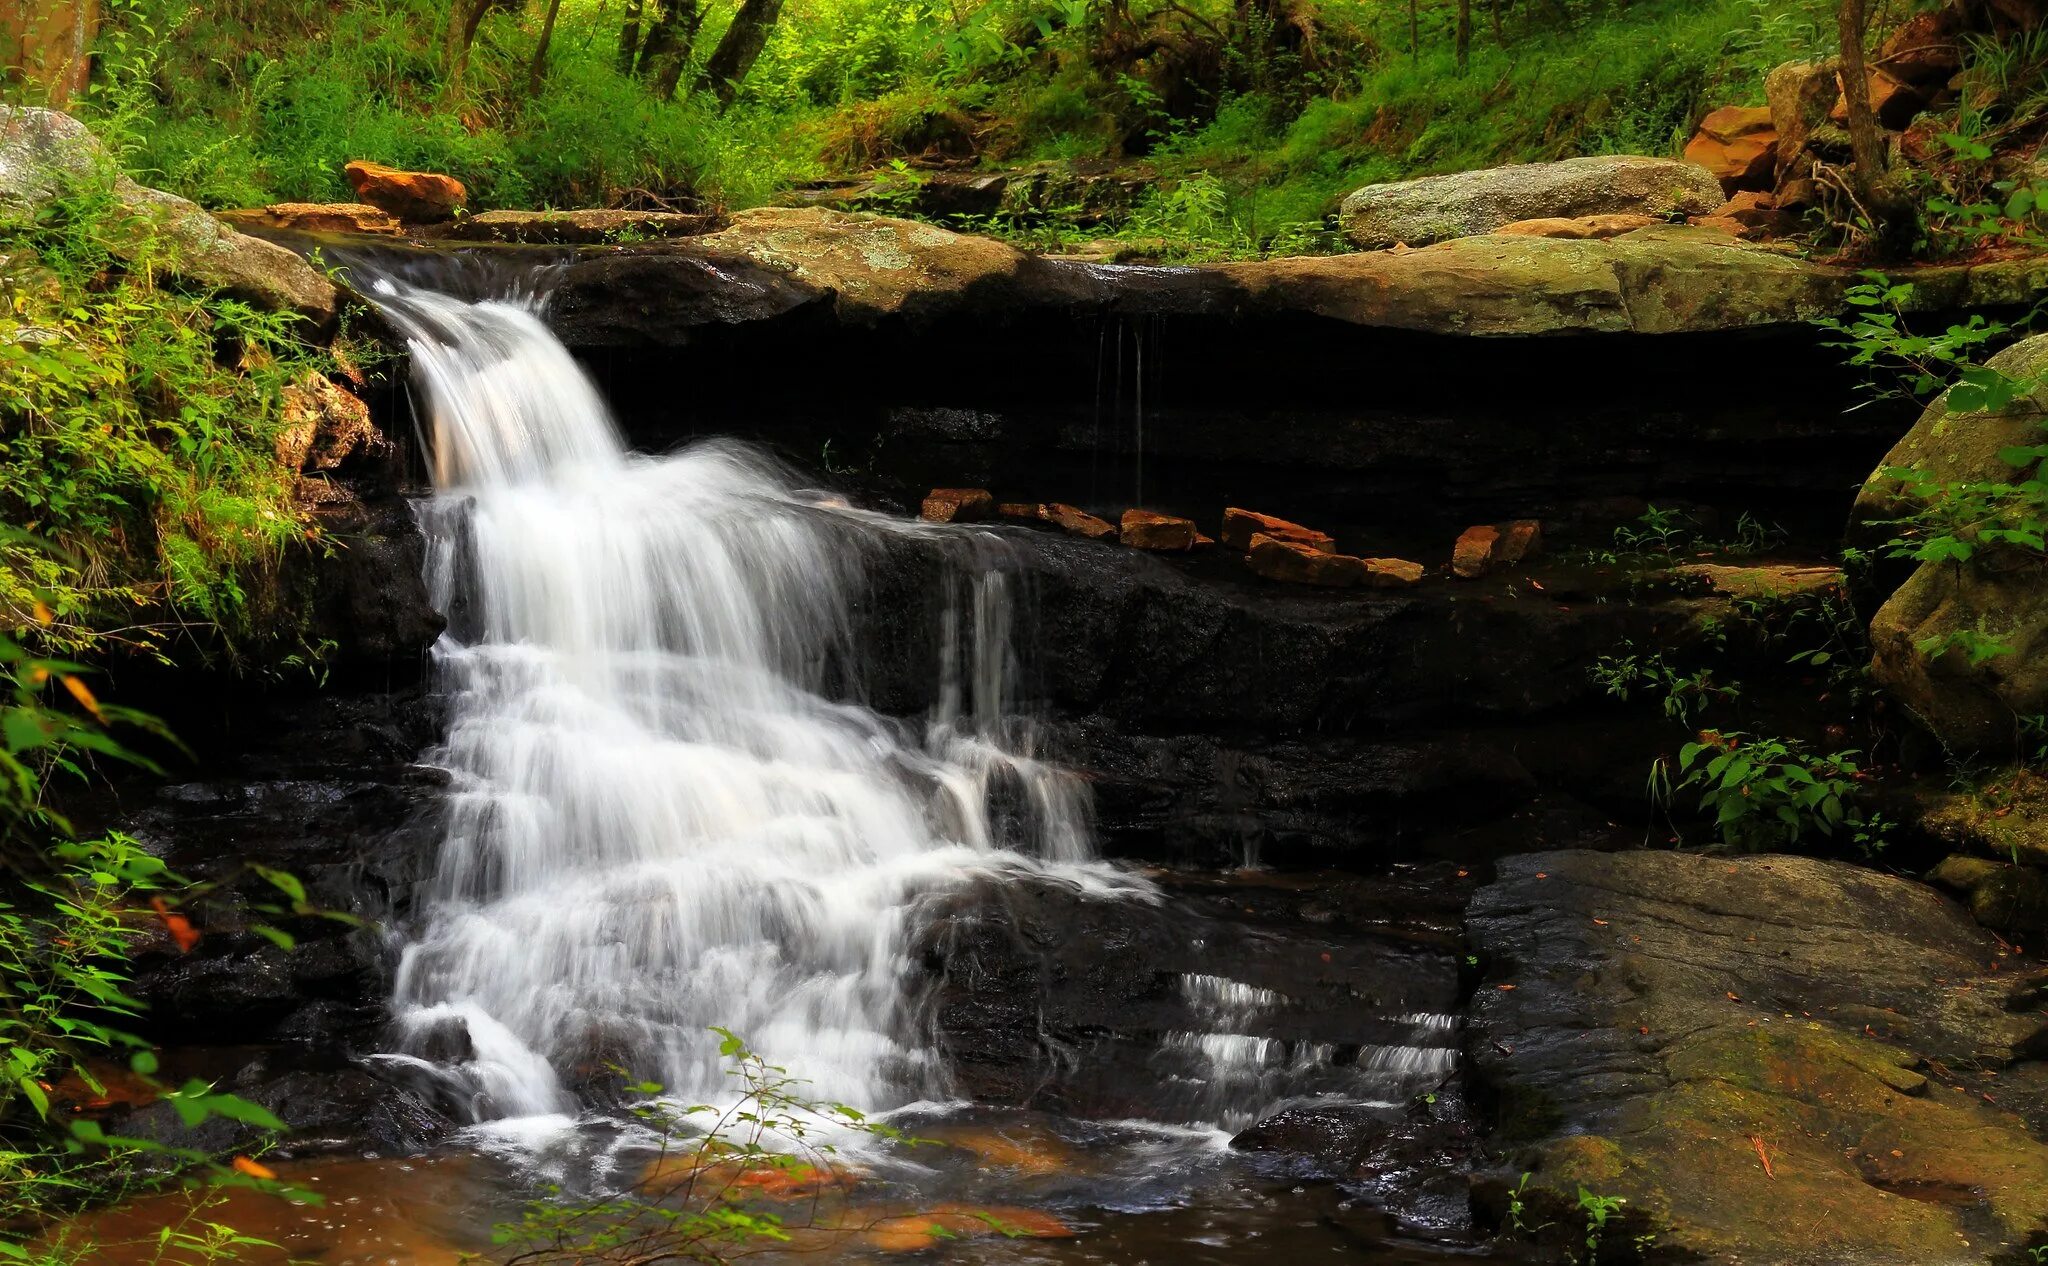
660	817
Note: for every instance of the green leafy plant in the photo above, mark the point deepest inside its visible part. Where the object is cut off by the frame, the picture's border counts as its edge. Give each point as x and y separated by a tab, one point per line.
699	1198
1764	793
1975	645
1657	531
1598	1211
1683	695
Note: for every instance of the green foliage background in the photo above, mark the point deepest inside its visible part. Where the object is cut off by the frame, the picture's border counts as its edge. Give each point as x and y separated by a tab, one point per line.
264	100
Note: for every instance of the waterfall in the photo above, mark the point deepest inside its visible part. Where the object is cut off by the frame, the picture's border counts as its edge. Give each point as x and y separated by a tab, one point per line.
664	813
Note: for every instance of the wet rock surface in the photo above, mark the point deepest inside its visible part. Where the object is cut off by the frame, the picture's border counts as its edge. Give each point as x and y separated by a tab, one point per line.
1047	996
1772	1058
324	789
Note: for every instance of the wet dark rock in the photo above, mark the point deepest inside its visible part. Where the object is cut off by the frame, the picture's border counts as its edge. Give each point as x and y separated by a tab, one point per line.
354	1108
323	790
1333	1137
1650	1020
647	296
1044	996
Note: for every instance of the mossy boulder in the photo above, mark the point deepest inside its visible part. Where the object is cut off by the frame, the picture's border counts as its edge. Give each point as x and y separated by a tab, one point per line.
45	154
1437	208
1973	703
2011	898
2005	817
1920	634
1771	1059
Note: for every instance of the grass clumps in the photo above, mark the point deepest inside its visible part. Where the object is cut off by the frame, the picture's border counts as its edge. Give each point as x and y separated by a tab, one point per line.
139	475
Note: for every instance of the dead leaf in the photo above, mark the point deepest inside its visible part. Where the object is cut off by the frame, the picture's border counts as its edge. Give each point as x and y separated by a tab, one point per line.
176	924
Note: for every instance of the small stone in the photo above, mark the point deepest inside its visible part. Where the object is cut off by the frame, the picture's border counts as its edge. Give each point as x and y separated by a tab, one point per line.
1520	540
1392	573
423	197
1294	563
1077	522
1024	511
1145	529
1474	552
956	505
1240	526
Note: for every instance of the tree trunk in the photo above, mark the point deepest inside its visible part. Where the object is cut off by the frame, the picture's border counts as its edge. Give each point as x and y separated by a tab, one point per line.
540	50
1499	35
1464	33
1892	216
629	37
743	42
1415	30
670	41
464	17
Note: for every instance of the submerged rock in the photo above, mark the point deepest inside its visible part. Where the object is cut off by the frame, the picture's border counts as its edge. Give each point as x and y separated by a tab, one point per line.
1737	1045
1435	208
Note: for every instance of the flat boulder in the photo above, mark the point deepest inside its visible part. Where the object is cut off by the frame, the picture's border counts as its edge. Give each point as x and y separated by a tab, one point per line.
1770	1059
596	227
45	154
1435	208
417	197
316	217
1594	227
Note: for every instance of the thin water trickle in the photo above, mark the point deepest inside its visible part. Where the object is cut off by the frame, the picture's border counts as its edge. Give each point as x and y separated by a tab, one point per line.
660	818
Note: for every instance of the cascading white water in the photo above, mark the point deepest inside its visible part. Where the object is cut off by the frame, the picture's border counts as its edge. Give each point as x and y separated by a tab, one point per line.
658	820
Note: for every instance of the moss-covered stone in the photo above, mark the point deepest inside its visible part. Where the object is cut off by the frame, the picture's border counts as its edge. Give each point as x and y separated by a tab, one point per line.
1765	1057
2004	817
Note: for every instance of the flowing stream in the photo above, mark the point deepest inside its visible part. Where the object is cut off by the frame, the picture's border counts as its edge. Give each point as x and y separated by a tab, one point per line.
663	816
